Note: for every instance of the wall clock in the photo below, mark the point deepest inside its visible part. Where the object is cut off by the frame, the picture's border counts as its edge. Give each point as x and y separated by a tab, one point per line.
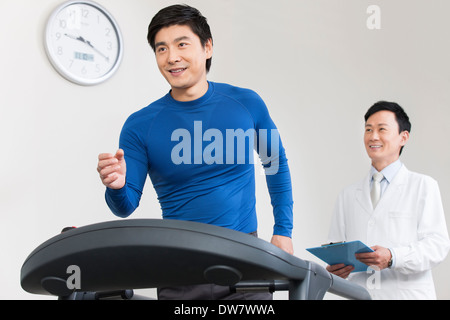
83	42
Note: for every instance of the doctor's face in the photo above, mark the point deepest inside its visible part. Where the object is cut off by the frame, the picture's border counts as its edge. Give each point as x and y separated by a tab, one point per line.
383	140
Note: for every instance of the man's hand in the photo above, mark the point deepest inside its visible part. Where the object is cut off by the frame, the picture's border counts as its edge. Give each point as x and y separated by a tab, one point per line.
112	169
340	270
379	258
283	242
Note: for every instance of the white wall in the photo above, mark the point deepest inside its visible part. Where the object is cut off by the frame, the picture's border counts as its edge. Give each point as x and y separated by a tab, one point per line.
315	63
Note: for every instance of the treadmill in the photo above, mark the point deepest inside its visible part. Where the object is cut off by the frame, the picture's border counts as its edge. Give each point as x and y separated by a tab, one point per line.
112	258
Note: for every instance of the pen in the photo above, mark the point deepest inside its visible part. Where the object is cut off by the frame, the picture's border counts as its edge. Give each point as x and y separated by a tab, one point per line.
328	244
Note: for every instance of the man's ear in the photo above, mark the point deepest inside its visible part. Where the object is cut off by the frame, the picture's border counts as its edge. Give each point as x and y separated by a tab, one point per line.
405	137
209	48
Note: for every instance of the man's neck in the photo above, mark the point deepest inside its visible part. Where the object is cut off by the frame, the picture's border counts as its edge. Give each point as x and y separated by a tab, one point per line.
191	93
380	165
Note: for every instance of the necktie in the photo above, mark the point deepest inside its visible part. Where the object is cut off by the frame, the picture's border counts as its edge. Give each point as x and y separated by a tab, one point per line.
375	193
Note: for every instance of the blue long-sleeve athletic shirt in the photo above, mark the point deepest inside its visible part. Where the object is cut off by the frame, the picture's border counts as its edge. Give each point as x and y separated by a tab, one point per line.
199	157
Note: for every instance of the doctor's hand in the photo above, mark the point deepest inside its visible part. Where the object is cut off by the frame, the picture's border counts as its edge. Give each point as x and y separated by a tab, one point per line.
112	169
379	258
340	270
283	242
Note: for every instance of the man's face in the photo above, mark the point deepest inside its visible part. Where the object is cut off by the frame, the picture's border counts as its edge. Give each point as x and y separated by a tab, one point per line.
181	58
382	139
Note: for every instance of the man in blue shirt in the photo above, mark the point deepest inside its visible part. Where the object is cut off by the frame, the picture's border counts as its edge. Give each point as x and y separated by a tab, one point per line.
196	144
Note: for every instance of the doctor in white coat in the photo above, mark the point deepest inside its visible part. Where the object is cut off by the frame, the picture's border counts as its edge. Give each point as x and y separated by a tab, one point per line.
401	218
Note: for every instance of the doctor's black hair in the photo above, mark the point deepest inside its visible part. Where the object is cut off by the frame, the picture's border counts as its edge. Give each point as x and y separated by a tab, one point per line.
400	115
181	14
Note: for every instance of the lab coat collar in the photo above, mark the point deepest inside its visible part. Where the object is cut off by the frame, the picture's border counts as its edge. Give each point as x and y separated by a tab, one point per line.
363	191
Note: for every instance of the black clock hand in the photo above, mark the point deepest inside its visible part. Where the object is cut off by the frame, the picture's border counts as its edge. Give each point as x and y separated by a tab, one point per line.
95	49
80	38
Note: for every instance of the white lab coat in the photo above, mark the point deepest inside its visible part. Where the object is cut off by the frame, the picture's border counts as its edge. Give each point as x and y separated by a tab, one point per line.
409	219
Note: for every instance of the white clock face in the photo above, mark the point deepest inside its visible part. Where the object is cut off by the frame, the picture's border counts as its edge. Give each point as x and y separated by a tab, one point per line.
83	42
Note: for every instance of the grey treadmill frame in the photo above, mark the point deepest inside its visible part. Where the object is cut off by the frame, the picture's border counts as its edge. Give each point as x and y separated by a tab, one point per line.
149	253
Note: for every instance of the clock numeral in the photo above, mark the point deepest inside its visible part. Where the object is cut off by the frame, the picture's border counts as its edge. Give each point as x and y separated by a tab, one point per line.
107	32
58	36
85	13
84	70
109	45
60	51
62	24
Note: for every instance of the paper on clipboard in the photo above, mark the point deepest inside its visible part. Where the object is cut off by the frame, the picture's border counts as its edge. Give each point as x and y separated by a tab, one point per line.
342	252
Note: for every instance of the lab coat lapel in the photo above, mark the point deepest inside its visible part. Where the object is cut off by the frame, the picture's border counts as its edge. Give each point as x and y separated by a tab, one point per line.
363	195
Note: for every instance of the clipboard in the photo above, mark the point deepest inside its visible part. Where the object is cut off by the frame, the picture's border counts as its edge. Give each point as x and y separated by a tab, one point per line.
342	252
